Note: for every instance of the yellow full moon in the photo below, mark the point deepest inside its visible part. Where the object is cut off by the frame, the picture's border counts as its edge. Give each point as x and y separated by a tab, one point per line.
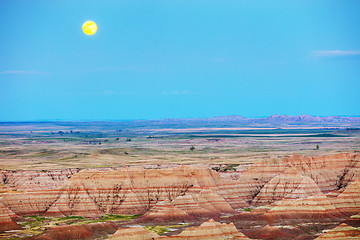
89	27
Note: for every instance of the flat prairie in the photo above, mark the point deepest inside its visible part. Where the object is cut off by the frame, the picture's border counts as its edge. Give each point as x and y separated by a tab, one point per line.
60	145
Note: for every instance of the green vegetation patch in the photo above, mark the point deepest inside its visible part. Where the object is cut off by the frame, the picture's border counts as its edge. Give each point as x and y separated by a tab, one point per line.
163	229
247	209
113	217
38	218
231	167
34	225
109	217
71	217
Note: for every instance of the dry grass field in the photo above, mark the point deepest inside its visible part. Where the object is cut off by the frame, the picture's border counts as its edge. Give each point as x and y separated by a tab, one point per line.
59	145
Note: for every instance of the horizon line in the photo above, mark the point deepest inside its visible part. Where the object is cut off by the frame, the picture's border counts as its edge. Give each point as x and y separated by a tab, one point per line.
175	118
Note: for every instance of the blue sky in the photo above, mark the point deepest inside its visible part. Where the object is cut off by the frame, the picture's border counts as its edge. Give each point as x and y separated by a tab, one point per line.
178	58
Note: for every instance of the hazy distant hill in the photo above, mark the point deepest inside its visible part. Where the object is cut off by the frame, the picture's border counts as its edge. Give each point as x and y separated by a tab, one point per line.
272	119
308	118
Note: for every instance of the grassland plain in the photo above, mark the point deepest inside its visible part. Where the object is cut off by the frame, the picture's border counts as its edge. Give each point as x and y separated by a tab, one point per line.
60	145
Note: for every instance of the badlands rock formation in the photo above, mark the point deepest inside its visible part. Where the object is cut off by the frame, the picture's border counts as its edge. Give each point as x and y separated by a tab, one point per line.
133	233
95	192
296	189
330	173
207	230
341	232
206	203
6	219
210	230
35	180
354	221
270	232
131	190
288	185
72	232
314	208
348	202
29	203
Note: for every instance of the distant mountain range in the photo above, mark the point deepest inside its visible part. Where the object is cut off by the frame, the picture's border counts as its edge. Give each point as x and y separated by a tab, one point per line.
301	118
308	118
272	119
276	118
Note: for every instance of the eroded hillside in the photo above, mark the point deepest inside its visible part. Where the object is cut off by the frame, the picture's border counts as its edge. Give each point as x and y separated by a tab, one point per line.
297	197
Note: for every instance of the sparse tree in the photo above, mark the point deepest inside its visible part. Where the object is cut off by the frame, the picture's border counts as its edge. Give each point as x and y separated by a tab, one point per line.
317	147
192	148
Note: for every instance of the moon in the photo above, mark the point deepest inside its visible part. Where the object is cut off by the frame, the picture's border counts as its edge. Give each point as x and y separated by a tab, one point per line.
89	28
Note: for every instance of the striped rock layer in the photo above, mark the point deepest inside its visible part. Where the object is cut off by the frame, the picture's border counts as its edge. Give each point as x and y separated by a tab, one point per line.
6	219
133	233
28	180
288	185
270	232
207	230
315	208
210	230
341	232
295	187
132	190
348	202
206	203
354	220
329	173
